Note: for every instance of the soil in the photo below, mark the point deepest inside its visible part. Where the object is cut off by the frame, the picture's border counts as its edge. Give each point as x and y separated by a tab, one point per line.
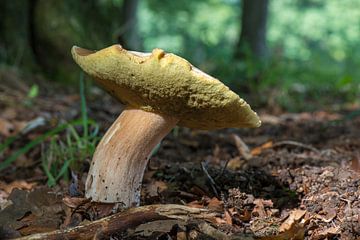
295	177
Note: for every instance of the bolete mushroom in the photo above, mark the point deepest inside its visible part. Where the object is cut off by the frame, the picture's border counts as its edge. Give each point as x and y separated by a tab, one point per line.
160	90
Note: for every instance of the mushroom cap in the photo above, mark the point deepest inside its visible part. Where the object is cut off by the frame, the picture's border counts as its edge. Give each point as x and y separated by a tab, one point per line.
167	84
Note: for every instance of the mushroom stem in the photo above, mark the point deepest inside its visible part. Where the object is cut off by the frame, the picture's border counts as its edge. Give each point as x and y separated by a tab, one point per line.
121	157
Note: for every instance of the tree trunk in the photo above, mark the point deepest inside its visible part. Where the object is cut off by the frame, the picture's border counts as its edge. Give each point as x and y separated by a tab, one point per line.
15	33
129	36
253	30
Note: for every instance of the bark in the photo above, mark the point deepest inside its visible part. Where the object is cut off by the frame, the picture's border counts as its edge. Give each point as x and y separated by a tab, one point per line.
15	33
253	30
129	36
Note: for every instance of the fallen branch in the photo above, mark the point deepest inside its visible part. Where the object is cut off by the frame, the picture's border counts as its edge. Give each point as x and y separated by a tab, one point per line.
122	221
296	144
211	180
243	149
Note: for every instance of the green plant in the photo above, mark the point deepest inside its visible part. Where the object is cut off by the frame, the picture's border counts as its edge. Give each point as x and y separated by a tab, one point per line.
61	155
31	95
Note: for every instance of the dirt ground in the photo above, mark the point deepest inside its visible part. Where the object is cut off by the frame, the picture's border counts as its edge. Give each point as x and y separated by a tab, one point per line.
295	177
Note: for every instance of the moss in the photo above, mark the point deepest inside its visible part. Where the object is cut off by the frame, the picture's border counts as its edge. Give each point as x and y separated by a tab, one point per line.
167	84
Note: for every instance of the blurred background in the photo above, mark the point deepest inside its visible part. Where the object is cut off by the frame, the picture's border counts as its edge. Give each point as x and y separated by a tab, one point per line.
283	55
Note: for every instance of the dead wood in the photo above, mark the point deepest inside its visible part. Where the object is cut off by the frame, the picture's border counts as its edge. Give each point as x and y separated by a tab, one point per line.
128	219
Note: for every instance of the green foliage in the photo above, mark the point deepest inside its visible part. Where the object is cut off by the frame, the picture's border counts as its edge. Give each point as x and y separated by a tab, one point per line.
314	45
34	91
61	155
197	30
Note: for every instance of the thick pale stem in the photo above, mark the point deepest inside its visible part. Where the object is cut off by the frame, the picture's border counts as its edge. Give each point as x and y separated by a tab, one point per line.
121	157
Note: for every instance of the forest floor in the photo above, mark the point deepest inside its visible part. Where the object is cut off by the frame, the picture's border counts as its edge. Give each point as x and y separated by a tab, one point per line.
295	177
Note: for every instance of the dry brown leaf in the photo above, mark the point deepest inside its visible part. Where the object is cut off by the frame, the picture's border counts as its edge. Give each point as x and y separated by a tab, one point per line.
355	162
195	204
74	202
328	232
294	218
228	218
259	209
267	203
4	202
235	163
6	127
258	150
181	236
155	187
246	216
330	214
32	212
220	220
21	184
215	204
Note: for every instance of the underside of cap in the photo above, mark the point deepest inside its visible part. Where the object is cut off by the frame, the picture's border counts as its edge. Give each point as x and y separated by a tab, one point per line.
165	83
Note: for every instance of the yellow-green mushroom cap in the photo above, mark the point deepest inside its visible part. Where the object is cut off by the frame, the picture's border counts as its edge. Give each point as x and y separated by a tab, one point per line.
167	84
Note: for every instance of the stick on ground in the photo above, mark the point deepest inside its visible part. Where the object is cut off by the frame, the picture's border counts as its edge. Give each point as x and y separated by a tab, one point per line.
122	221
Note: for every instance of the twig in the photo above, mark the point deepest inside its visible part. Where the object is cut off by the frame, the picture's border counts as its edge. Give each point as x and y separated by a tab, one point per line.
294	143
223	169
211	180
242	147
122	221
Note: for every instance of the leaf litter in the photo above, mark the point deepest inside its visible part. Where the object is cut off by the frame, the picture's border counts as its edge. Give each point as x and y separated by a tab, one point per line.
296	177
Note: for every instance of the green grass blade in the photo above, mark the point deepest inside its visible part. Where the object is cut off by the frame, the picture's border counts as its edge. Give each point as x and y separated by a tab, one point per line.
84	116
7	143
37	141
51	180
63	169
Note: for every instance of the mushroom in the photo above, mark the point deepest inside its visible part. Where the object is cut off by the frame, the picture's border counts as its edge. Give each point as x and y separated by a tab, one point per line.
160	90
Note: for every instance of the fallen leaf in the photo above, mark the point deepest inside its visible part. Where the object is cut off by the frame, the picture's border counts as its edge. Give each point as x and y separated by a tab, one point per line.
74	202
235	163
246	216
330	214
6	127
4	202
215	204
260	205
20	184
259	209
228	218
155	187
293	218
220	220
195	204
328	232
355	162
181	236
32	212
